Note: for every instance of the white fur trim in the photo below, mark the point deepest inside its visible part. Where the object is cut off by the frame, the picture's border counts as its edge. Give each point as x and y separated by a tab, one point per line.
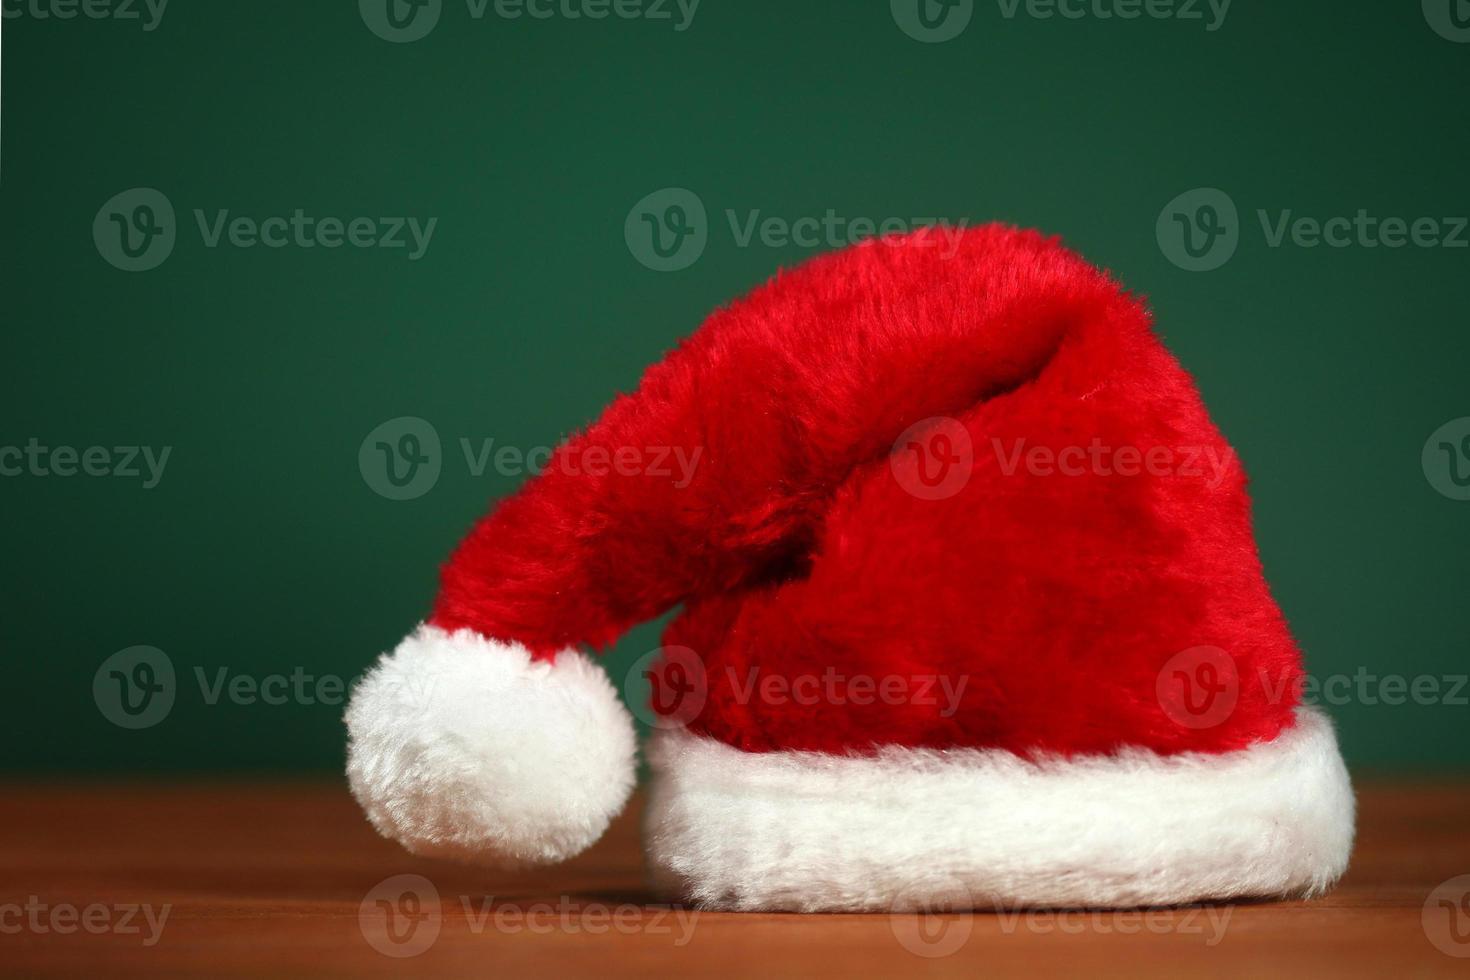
913	829
465	748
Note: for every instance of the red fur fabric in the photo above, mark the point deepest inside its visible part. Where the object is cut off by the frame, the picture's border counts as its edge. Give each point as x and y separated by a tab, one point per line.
1048	598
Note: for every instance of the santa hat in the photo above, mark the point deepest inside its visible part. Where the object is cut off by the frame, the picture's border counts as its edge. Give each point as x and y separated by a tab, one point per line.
971	613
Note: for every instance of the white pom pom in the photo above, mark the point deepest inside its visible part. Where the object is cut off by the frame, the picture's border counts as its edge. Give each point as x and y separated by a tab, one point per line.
465	748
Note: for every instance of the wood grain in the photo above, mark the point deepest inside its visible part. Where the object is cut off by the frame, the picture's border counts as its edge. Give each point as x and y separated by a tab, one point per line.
285	879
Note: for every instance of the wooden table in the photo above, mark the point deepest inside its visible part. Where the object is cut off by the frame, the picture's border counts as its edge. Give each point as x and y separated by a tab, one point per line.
287	879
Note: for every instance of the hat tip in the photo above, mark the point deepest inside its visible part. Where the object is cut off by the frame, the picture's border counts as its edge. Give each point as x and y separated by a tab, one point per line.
471	749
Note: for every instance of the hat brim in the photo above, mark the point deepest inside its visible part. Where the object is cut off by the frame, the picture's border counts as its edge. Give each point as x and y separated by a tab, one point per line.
913	829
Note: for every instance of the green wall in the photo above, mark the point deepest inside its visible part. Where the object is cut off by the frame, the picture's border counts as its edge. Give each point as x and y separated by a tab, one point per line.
262	550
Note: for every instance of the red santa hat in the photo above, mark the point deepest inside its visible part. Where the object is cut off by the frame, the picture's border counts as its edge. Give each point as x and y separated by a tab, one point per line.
971	613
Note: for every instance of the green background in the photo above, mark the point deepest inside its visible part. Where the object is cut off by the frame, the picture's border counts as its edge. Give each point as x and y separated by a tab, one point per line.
263	549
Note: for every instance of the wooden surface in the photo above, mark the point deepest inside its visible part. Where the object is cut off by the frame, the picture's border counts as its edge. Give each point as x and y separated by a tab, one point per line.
288	880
